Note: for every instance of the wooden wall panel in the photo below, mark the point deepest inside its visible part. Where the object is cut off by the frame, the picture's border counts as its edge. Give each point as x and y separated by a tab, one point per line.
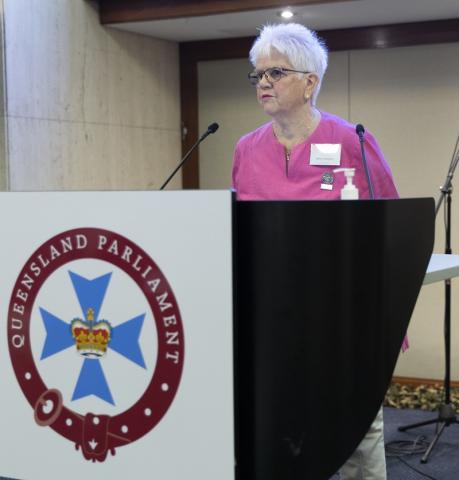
121	11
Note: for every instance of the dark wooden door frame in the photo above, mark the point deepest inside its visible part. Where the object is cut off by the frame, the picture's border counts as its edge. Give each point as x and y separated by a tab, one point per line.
384	36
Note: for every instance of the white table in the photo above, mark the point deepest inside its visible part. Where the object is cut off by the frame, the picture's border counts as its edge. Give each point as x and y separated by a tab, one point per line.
441	267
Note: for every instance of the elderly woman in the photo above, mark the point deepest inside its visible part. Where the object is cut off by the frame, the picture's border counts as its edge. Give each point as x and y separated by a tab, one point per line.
285	159
282	159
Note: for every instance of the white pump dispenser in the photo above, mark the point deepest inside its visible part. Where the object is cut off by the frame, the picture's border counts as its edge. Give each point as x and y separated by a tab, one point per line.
349	191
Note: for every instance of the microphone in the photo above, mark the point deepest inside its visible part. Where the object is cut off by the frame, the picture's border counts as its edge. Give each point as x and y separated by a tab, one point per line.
212	128
360	132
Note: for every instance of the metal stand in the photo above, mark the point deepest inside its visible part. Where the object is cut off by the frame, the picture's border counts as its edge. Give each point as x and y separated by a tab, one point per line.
446	412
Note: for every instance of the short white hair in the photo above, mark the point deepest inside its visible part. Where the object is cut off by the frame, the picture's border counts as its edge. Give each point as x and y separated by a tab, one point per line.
302	47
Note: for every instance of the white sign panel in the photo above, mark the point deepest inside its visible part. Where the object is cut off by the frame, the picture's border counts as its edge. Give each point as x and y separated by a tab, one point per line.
116	335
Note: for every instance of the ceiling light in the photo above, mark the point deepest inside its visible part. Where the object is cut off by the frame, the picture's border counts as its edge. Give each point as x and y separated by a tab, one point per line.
286	14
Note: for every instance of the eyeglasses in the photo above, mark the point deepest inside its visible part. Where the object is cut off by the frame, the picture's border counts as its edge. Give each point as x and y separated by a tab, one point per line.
273	74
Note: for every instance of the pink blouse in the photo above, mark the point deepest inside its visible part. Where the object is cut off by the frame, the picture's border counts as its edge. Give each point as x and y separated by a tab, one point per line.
261	172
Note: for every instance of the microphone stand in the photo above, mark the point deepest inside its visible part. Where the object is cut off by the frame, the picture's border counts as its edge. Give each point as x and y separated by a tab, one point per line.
360	130
212	128
446	413
177	168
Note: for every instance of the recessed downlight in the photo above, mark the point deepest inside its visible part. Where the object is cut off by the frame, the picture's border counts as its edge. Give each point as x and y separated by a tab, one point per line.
286	14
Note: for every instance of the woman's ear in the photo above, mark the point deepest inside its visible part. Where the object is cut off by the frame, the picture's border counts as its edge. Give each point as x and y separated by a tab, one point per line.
312	80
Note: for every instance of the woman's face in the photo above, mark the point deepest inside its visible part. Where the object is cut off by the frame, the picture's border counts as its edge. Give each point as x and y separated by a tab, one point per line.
288	94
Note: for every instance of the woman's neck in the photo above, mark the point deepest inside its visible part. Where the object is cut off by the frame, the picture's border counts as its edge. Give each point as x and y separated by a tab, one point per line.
297	127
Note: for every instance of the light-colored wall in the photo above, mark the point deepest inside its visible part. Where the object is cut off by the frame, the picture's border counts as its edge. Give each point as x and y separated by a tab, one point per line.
87	107
409	98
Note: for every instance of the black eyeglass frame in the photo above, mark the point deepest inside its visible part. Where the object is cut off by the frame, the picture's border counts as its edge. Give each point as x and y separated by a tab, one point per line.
255	77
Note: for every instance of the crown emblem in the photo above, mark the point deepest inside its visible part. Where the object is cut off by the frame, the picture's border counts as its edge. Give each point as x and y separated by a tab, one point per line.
91	338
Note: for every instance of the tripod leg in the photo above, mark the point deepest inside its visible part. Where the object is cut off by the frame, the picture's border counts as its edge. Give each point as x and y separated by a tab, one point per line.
433	443
414	425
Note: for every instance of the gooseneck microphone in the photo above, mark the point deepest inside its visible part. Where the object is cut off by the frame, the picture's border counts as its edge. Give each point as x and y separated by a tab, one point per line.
212	128
360	132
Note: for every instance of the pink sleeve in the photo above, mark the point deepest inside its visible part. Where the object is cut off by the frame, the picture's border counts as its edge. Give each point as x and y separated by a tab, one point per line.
405	344
380	173
235	169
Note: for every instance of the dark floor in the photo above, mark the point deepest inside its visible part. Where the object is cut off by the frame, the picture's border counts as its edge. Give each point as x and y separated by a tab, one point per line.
443	463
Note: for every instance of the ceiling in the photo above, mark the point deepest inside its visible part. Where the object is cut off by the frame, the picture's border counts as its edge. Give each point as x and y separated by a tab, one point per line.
346	14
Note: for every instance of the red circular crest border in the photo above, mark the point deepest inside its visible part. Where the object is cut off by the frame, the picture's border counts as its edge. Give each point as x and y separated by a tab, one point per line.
146	413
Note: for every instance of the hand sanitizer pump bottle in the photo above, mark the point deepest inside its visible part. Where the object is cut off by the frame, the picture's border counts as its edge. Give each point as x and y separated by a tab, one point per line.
349	191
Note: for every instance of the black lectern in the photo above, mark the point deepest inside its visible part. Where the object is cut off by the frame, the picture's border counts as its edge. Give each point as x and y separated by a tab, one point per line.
324	294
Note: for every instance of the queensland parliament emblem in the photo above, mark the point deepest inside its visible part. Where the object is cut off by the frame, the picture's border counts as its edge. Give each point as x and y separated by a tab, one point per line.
96	339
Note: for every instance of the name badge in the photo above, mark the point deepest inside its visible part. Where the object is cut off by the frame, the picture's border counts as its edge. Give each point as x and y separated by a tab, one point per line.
325	154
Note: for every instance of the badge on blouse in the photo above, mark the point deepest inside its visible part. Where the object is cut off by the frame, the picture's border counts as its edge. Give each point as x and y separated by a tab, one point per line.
327	181
325	154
